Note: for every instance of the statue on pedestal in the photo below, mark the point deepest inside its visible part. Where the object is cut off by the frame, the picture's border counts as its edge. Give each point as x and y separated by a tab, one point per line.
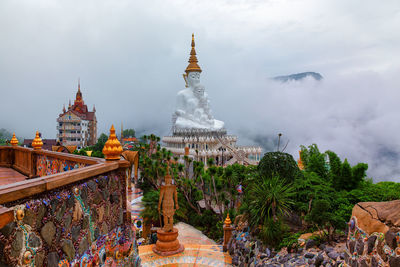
169	200
167	242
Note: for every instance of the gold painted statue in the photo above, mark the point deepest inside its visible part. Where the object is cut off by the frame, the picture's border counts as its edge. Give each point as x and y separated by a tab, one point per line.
169	200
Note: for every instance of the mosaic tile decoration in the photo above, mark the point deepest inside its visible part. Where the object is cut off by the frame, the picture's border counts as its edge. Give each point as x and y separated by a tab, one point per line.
194	255
48	165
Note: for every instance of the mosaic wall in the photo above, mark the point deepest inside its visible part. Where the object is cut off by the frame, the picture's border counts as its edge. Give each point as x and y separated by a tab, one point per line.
79	225
377	249
46	165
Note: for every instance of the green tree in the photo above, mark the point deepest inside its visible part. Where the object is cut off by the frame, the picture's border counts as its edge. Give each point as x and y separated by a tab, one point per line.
314	160
100	142
279	163
128	133
269	199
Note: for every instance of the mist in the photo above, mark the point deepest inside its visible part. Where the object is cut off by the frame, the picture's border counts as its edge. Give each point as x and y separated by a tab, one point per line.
130	56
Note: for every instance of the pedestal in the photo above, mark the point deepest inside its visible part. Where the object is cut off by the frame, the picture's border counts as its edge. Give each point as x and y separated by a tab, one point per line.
167	243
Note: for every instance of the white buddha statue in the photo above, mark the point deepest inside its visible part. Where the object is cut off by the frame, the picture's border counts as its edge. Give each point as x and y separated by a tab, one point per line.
193	110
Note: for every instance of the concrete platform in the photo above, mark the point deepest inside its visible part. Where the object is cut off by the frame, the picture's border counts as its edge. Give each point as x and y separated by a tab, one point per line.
9	176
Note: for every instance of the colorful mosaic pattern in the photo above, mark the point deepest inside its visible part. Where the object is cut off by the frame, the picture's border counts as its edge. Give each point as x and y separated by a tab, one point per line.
48	165
380	251
118	248
194	255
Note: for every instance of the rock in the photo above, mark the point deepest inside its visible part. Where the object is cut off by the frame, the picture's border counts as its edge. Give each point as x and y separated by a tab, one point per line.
17	243
98	197
53	204
333	255
318	260
114	198
310	243
39	217
120	218
371	243
376	216
85	223
52	259
360	246
7	230
363	263
96	233
92	185
67	221
70	202
390	239
60	213
83	245
351	244
75	231
322	247
309	255
39	259
328	249
29	217
34	240
374	262
68	249
235	260
394	261
48	231
84	195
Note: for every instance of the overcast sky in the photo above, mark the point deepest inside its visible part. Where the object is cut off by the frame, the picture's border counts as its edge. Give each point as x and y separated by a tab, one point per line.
130	56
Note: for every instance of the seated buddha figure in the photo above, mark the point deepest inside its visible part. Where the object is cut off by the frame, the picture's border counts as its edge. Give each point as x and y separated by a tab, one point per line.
193	108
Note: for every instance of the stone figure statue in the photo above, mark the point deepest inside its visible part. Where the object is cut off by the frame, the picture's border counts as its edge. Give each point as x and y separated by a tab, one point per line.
169	200
193	106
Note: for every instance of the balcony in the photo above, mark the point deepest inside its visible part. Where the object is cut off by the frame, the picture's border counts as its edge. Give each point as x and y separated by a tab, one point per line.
54	193
69	127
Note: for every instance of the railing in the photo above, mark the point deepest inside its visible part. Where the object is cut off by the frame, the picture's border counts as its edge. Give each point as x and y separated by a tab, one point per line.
70	135
92	192
68	127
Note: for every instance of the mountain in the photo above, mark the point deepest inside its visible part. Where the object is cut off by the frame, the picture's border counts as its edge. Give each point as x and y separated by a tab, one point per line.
299	76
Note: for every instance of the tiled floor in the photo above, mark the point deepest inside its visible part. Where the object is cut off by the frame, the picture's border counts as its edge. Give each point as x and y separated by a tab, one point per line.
199	251
8	176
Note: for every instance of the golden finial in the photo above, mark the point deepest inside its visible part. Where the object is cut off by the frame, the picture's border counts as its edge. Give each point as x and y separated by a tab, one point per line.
14	140
193	66
19	214
227	220
112	149
37	142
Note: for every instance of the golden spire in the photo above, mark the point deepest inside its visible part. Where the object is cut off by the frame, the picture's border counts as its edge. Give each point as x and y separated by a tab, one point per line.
112	149
14	140
37	142
227	220
193	66
64	108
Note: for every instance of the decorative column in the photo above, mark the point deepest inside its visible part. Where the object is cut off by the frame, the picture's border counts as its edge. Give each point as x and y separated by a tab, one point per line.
14	140
227	232
112	149
37	142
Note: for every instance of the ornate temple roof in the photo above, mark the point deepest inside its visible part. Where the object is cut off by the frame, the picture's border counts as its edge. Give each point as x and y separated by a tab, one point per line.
79	108
193	66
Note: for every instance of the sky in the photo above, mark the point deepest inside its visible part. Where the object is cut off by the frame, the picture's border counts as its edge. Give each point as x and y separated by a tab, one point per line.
130	56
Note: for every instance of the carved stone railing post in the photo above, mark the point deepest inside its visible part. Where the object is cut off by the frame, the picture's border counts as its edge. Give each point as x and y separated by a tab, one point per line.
227	232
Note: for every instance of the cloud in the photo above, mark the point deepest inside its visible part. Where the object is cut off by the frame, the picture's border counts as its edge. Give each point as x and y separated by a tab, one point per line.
130	56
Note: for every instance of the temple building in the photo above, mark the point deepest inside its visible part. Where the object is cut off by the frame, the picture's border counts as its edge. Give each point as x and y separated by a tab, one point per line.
77	126
196	133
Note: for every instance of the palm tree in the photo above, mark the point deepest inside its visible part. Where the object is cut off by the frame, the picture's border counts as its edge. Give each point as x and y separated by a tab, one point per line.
269	199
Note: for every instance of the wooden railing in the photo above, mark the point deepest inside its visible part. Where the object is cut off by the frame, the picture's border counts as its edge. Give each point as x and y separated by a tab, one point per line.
92	174
24	160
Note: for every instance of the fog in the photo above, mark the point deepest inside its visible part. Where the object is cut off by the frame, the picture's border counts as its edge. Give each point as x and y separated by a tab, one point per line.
130	56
